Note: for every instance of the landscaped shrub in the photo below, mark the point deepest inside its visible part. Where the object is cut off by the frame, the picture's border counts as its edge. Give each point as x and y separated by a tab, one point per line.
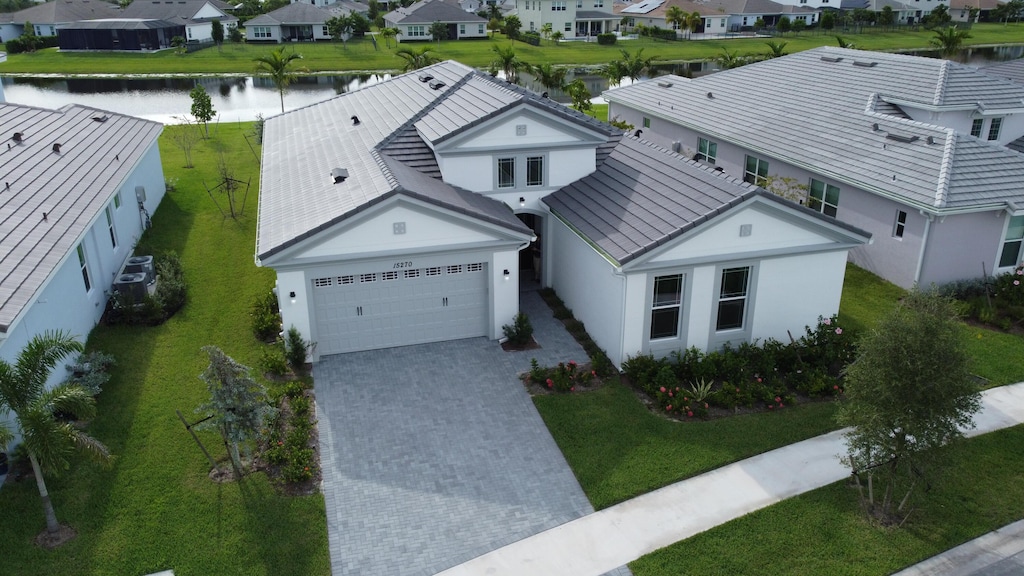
272	361
296	350
531	38
266	317
826	347
170	288
520	332
562	378
90	371
606	39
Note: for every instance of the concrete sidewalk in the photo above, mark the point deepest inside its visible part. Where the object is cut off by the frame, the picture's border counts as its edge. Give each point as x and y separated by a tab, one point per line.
599	542
998	553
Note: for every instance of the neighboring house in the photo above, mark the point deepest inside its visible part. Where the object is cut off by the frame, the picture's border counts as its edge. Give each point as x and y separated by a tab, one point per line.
905	12
48	17
404	212
717	16
573	18
414	21
914	150
960	10
119	34
348	5
196	15
78	186
298	22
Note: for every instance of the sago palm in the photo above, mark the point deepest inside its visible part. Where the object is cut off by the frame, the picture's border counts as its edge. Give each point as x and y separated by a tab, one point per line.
416	59
48	441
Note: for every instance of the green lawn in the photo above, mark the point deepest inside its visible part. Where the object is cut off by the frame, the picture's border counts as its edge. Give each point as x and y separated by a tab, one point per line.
825	532
155	509
618	449
361	55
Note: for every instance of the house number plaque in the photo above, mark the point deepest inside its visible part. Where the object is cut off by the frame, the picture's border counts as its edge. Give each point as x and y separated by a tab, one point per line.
406	264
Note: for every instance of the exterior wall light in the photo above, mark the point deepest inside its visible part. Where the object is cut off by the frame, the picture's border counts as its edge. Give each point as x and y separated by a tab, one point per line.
292	296
522	201
506	274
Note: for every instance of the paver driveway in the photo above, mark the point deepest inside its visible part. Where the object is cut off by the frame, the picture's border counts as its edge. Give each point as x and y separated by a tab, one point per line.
434	454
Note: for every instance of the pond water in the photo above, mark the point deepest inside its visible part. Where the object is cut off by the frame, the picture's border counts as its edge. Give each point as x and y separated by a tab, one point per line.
242	98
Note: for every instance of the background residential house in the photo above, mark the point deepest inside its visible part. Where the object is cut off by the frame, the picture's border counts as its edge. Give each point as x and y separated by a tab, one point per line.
48	17
296	22
413	22
717	16
79	185
427	194
350	5
573	18
196	15
125	34
916	151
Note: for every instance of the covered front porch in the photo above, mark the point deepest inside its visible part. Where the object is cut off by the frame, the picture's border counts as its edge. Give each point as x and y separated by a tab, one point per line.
593	23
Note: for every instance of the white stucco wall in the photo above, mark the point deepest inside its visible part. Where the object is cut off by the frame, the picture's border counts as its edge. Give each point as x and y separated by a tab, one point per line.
586	282
792	292
478	172
275	34
199	32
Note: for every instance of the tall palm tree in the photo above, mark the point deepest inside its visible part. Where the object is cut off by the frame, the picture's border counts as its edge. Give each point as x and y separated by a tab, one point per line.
676	18
277	65
949	40
388	34
693	22
47	440
416	59
508	63
546	29
548	76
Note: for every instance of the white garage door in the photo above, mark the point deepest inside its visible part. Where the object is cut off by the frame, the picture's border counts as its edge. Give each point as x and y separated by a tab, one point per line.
401	307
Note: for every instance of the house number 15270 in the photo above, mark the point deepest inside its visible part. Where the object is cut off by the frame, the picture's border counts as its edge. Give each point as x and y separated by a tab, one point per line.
402	265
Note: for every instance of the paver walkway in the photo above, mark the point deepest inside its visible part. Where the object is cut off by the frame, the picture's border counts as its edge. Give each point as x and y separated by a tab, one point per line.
434	454
624	532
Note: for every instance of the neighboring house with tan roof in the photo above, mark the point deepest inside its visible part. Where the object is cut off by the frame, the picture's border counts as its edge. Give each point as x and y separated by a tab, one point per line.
717	16
407	211
413	22
77	186
920	152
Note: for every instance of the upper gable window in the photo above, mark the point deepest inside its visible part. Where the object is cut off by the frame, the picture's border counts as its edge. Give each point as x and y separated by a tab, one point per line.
993	128
535	171
976	125
506	172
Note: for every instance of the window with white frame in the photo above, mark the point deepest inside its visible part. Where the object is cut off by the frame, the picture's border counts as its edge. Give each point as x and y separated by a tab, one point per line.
1011	254
462	29
480	29
598	3
506	172
976	126
534	170
568	26
417	31
110	226
707	150
85	268
755	171
261	32
666	306
324	31
558	6
901	224
823	197
732	298
117	200
647	122
579	3
993	128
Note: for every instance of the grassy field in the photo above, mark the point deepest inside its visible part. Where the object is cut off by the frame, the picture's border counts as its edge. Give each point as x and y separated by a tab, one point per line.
155	508
618	449
825	532
361	54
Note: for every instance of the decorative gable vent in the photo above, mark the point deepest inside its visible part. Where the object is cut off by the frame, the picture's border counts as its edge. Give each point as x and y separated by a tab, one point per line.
436	85
339	175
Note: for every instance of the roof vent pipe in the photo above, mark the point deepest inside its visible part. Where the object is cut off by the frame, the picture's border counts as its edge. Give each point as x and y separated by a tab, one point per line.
339	175
711	96
56	148
355	120
17	136
638	133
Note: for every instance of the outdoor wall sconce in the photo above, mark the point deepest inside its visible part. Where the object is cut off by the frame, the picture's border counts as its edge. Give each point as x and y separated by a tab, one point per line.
292	296
522	201
506	274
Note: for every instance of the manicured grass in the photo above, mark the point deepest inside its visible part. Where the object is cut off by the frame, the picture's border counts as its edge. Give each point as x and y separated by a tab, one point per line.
866	299
361	55
619	450
825	532
155	508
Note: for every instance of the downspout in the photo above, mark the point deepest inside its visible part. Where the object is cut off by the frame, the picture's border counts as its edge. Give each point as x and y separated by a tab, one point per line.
924	243
617	271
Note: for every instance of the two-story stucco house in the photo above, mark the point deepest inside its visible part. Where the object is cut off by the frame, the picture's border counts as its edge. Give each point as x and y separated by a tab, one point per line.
573	18
404	212
917	151
77	187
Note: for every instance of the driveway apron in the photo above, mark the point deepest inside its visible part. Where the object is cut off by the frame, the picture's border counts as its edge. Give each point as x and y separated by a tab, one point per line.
434	454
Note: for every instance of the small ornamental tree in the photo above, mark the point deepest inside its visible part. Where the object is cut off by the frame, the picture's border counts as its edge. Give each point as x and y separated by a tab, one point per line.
908	394
238	403
512	26
438	31
580	95
217	32
202	107
784	24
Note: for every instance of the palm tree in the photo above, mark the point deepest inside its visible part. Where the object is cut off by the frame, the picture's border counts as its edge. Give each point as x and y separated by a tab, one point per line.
416	59
277	66
842	43
776	49
508	63
693	22
388	34
546	30
47	440
557	36
676	18
949	40
634	65
728	60
549	77
613	71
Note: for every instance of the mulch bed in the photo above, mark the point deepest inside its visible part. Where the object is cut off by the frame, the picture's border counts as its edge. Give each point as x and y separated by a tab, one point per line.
509	347
273	471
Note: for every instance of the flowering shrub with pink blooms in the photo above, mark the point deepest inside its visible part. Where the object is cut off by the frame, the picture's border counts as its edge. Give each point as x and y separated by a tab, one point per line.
566	377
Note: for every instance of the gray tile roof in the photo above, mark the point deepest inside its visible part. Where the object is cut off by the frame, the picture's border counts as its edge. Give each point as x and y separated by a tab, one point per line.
430	11
183	10
72	187
819	115
61	11
298	13
121	24
643	196
1012	70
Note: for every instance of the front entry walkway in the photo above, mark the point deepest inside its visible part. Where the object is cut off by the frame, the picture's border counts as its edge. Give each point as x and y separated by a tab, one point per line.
434	454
